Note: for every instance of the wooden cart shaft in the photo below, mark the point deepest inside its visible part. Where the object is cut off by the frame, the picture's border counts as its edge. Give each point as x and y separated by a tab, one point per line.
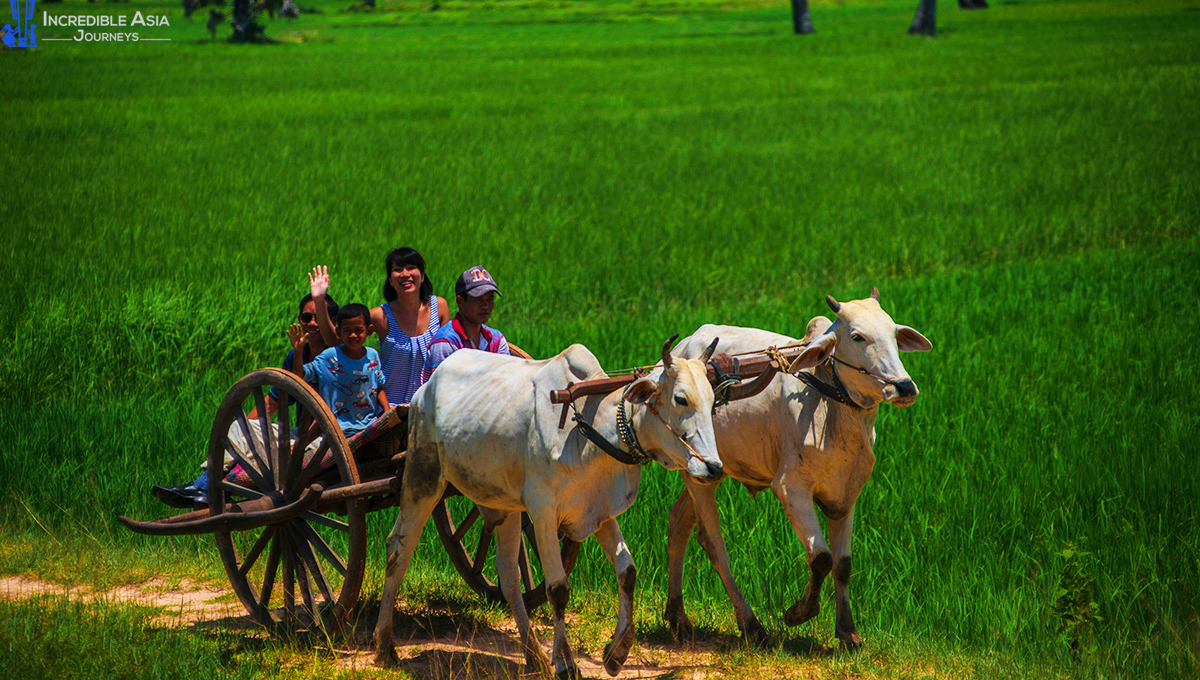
267	510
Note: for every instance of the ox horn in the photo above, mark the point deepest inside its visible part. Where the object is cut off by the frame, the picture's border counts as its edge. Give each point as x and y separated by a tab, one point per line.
708	351
875	293
667	350
833	304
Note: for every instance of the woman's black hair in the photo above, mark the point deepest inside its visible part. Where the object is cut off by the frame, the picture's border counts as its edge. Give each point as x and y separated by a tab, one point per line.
403	256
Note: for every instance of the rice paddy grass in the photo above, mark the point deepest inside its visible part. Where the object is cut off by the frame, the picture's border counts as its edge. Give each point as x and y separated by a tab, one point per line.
1023	189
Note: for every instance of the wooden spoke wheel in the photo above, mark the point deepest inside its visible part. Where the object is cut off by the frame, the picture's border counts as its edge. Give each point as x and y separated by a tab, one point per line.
470	543
303	572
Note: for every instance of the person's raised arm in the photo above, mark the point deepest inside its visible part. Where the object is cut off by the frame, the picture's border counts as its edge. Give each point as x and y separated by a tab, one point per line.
318	283
296	338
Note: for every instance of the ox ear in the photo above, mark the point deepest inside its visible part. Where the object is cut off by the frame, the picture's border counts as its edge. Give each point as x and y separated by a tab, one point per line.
708	351
816	326
817	352
875	293
909	340
640	390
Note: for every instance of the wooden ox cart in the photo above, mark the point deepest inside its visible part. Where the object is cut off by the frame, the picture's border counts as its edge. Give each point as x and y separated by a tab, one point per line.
290	519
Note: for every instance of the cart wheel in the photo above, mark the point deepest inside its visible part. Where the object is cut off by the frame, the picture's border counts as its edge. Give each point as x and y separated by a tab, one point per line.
305	572
470	543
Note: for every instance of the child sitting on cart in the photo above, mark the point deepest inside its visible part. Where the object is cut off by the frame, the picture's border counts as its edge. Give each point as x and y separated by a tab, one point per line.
349	377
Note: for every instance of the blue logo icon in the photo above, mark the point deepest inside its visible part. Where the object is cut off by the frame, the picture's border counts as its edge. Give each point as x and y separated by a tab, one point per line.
25	34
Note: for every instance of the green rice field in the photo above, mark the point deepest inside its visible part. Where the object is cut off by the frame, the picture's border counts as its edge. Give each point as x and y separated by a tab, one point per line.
1023	189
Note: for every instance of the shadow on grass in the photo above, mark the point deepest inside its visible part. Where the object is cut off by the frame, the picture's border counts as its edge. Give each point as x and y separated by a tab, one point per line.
808	647
432	618
238	623
439	663
460	637
718	640
431	623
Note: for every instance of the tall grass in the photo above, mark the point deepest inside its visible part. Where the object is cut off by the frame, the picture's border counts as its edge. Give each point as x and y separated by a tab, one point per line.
1023	190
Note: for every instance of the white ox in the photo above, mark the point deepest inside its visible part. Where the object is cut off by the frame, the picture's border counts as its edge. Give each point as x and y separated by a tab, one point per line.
485	424
804	446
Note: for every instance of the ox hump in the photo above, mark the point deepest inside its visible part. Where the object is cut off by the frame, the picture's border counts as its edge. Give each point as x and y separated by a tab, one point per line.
579	362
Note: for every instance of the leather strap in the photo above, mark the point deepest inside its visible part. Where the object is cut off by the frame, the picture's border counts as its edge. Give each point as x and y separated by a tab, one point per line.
838	393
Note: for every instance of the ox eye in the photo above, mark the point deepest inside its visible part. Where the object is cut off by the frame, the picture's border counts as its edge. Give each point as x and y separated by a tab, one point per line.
681	401
857	338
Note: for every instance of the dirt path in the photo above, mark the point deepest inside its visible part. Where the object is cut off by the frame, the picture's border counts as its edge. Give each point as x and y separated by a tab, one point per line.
186	603
435	646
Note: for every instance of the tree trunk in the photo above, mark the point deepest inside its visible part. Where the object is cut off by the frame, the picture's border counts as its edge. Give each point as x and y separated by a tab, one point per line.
925	22
241	21
801	23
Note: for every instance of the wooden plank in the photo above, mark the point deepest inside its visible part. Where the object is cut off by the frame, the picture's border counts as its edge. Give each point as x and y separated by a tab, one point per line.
750	365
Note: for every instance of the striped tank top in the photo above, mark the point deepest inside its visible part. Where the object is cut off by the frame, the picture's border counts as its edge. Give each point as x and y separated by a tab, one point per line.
404	355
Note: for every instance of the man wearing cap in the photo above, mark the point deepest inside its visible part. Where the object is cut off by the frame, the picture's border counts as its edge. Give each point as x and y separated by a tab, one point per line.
476	293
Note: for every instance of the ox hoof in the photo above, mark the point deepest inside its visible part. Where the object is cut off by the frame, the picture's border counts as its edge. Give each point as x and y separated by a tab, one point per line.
851	642
614	659
754	632
801	611
537	663
570	672
678	621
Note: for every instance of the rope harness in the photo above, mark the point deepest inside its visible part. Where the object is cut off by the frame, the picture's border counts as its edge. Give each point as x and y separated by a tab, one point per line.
627	435
636	454
726	370
838	391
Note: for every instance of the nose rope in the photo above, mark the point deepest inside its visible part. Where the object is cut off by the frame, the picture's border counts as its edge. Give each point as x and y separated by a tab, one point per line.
636	454
691	451
864	371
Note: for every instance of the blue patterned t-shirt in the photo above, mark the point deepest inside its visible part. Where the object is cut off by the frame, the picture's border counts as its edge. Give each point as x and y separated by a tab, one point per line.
348	386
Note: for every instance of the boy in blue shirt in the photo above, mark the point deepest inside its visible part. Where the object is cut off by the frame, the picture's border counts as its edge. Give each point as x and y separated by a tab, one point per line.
349	377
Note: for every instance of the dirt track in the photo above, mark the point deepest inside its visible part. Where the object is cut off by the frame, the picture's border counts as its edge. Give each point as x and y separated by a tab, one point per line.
438	649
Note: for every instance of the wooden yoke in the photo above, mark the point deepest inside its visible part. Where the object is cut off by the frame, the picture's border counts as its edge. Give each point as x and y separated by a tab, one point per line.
763	365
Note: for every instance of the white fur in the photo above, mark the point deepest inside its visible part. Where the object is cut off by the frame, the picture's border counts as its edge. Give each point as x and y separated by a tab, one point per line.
485	424
803	446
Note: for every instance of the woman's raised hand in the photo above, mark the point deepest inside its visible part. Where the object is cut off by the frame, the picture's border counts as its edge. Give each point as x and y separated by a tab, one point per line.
318	281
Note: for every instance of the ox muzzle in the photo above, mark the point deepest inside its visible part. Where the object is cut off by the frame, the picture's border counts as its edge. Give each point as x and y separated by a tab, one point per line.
901	393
